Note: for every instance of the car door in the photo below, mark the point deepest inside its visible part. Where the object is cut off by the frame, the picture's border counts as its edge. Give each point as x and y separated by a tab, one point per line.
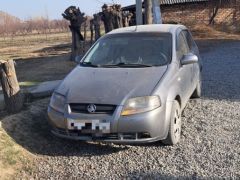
193	49
185	72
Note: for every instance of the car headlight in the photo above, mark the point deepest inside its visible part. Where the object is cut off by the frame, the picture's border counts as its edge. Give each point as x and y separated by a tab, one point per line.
140	105
57	102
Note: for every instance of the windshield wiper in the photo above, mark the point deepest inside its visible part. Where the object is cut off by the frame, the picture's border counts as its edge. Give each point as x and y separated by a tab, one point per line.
88	64
126	65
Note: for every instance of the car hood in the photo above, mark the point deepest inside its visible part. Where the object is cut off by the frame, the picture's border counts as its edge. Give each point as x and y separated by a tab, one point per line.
109	85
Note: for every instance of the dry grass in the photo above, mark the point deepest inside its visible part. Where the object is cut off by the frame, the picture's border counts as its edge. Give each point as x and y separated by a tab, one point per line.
20	134
208	32
13	158
21	47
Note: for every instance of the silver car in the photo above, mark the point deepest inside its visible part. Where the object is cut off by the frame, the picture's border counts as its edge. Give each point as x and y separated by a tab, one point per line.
130	87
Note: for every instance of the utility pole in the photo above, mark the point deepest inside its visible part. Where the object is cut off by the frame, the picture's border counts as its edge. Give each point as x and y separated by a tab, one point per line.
139	18
157	19
148	11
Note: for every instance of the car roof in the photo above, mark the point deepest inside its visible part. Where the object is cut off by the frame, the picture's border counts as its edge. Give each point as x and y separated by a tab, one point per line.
164	28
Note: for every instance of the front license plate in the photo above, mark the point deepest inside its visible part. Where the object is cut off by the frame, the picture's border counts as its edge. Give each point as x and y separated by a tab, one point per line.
89	125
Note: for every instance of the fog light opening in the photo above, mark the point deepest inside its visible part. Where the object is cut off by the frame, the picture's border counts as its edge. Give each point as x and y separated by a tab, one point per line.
144	135
133	136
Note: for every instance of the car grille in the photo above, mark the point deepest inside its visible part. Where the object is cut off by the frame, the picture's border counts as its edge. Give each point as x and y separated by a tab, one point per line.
110	136
100	108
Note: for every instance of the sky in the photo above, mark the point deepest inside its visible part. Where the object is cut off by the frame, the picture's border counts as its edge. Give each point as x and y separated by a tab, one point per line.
25	9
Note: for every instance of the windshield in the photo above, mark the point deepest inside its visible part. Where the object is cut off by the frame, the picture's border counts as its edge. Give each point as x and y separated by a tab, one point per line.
141	49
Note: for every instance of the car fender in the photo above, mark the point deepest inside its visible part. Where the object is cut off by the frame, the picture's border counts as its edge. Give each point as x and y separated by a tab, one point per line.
169	103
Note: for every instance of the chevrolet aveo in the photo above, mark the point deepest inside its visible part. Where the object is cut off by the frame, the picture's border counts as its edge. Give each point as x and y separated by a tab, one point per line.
130	87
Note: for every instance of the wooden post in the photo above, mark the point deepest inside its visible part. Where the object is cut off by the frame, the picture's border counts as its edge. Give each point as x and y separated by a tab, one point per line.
148	11
12	95
139	17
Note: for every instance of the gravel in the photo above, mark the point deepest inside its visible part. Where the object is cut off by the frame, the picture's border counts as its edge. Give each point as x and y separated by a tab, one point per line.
209	148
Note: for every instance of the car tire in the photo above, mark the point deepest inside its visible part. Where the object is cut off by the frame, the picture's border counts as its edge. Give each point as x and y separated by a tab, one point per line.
174	132
198	91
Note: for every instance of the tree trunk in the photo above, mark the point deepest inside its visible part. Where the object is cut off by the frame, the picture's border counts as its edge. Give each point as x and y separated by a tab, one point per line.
97	25
148	11
91	30
13	98
235	13
76	18
85	36
77	45
214	12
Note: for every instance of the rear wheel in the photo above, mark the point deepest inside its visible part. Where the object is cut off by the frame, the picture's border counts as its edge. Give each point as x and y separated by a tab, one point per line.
174	132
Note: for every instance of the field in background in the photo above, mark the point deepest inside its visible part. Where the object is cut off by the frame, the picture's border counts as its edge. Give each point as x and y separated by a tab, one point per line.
42	45
37	45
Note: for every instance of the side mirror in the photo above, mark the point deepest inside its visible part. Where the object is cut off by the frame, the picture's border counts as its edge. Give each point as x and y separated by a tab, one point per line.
189	59
78	58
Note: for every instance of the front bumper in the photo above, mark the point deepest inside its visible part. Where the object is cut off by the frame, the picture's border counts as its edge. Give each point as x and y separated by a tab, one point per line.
141	128
121	138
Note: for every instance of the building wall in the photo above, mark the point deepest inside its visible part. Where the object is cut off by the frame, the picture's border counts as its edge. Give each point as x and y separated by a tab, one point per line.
200	14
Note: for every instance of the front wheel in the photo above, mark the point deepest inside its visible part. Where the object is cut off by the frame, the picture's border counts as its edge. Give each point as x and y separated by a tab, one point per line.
198	91
174	132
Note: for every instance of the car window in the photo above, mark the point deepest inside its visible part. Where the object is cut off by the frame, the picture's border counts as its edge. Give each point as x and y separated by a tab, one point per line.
190	41
182	47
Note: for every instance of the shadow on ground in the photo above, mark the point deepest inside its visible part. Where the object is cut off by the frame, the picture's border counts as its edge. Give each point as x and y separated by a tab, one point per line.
55	50
44	68
31	130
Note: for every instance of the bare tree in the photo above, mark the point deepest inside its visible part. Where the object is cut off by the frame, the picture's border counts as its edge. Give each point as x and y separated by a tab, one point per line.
214	11
112	17
76	18
97	23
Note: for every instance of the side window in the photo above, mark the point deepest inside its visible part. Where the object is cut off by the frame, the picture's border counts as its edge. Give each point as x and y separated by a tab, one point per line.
190	41
182	47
